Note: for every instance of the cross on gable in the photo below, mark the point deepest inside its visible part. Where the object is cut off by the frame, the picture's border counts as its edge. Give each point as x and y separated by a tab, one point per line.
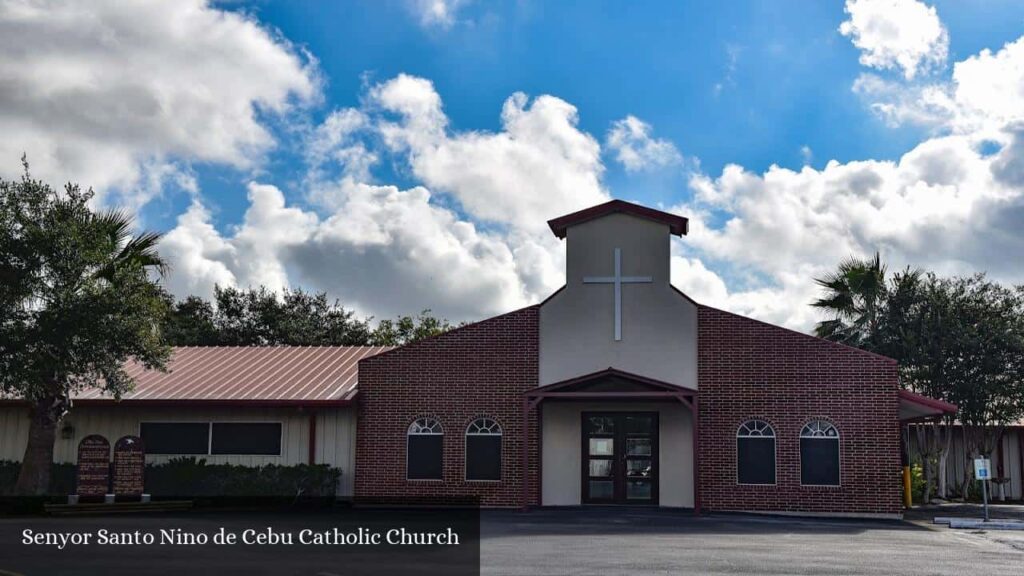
618	280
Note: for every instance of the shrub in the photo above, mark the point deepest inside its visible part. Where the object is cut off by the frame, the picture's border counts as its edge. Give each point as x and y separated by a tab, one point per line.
190	478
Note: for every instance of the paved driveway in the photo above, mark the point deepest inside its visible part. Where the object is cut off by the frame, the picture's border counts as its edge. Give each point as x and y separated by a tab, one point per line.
659	542
579	541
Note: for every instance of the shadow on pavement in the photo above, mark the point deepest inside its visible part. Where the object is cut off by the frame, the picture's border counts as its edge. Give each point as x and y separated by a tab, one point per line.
611	520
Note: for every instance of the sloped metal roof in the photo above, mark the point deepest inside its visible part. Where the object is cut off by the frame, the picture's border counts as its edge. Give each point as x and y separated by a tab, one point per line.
285	374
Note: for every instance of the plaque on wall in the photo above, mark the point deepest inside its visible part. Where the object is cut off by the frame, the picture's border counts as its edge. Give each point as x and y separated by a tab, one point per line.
93	470
129	466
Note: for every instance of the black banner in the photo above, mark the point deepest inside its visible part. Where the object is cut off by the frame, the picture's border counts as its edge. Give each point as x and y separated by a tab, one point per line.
341	541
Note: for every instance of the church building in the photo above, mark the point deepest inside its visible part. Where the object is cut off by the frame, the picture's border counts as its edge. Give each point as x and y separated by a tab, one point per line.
618	389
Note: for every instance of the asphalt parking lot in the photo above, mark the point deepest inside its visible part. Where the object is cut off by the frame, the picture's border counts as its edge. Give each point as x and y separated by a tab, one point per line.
662	542
539	542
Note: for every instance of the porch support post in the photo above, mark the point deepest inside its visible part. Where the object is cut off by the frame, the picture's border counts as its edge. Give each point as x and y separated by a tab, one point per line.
695	411
525	465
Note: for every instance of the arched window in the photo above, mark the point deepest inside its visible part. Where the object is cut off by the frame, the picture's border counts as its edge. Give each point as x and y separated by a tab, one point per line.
483	450
755	453
819	454
425	450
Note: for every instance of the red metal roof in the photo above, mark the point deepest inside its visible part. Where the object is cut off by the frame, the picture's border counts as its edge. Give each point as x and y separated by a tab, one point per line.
913	406
676	224
273	375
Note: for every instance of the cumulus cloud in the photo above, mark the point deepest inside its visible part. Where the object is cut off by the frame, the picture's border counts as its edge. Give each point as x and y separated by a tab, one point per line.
630	139
122	95
897	34
943	205
539	166
384	251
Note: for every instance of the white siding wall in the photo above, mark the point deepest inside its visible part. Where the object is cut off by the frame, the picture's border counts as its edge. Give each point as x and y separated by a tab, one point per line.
335	431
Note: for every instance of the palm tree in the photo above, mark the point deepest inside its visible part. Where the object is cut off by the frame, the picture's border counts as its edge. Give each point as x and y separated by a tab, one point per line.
129	250
855	297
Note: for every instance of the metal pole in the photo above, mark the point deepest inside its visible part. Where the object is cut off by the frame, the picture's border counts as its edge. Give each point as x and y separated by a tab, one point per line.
984	496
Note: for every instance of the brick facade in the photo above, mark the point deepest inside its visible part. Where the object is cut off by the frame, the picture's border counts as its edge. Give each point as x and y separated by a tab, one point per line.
749	369
746	369
477	370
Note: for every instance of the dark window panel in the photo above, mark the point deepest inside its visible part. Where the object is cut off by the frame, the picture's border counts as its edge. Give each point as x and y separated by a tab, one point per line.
175	437
819	462
755	460
483	457
246	438
425	456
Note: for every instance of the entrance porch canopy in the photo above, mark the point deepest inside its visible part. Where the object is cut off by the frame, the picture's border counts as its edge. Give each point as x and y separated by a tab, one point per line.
918	408
611	384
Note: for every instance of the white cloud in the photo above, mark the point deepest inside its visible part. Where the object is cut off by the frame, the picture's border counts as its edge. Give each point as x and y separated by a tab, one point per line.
117	95
944	205
989	87
337	142
897	34
384	251
539	166
437	13
630	139
806	154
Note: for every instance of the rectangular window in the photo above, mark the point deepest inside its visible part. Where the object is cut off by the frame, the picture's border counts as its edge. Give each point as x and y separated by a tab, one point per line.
483	457
425	456
819	461
246	438
755	460
175	437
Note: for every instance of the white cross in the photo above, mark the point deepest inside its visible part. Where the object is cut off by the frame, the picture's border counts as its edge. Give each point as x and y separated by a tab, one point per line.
618	280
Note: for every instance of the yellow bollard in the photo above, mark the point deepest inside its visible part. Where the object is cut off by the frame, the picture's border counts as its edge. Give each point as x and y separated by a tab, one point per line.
908	495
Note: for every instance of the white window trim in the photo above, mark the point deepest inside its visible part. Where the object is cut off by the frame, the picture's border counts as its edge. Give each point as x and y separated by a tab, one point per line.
775	451
465	451
839	448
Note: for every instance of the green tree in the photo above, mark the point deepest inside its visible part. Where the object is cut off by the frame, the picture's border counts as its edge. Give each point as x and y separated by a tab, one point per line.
258	317
405	329
78	298
191	322
854	296
957	339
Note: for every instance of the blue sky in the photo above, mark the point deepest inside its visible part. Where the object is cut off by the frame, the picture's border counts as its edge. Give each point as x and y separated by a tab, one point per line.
221	110
783	69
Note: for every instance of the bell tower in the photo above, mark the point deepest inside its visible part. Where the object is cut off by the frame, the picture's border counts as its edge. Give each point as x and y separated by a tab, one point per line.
618	309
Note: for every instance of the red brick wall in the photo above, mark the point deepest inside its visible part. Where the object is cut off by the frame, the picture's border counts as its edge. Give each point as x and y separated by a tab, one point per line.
477	370
749	369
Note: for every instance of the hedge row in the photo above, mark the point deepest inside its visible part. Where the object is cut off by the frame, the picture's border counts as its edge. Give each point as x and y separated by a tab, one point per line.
192	478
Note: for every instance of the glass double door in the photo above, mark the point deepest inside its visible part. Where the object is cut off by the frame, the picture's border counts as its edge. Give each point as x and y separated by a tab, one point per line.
620	457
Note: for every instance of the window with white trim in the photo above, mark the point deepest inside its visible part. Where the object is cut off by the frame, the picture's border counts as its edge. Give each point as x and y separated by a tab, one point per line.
425	450
483	450
755	453
819	454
